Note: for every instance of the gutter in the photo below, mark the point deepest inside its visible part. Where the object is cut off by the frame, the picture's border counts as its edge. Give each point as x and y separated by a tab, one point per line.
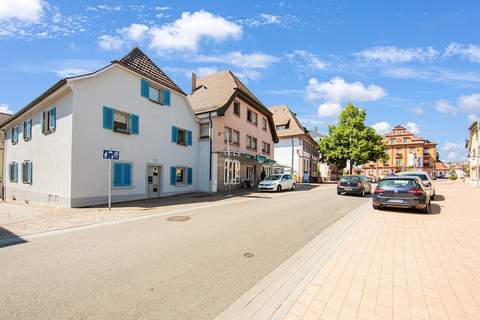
4	163
210	138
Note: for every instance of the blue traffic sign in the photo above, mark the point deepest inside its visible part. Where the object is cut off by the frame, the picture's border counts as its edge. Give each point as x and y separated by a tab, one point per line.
111	154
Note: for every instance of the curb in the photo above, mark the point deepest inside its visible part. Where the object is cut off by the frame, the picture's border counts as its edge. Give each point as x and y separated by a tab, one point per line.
274	295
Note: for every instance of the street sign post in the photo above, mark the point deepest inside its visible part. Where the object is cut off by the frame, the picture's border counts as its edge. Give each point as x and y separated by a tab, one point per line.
110	155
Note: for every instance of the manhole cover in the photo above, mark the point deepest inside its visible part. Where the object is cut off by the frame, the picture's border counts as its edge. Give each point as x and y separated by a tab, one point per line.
248	255
178	218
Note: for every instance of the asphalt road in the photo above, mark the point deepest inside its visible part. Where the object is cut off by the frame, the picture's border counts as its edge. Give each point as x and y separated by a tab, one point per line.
158	269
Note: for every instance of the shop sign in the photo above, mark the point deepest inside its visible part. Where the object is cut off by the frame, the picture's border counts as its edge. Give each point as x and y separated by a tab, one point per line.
261	159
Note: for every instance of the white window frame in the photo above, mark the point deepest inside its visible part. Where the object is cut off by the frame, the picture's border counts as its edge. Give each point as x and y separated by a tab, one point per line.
231	172
160	94
254	116
26	178
128	122
202	134
184	175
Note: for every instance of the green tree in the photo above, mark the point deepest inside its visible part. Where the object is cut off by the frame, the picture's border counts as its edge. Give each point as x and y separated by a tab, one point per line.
352	140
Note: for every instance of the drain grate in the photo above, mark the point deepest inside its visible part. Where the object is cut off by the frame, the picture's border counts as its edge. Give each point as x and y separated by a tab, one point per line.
248	255
178	218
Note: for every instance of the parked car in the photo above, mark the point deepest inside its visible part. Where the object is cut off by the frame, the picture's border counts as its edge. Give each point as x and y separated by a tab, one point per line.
426	180
358	185
401	192
277	182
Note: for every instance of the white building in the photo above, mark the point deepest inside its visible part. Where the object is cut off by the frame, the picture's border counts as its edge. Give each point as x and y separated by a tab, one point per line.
54	145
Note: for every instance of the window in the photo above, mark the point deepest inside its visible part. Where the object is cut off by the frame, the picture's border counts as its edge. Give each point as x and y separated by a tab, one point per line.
392	141
27	172
204	130
251	143
13	171
405	140
14	133
231	172
281	127
236	108
49	120
399	162
180	176
119	121
265	147
155	94
398	151
264	124
252	117
182	137
232	136
27	130
122	174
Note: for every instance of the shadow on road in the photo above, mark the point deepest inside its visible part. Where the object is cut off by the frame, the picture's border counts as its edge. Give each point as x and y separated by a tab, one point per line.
434	209
439	197
8	238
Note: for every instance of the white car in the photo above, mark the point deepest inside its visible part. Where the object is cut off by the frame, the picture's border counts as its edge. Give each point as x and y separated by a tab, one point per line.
426	181
277	182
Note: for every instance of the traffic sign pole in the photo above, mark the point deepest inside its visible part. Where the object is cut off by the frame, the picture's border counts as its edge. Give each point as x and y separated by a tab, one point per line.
110	184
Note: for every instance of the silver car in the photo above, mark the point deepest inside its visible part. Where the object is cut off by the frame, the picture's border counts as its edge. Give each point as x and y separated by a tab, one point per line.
277	182
426	181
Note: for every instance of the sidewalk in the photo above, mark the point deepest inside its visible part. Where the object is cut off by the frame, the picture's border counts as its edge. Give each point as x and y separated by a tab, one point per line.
387	265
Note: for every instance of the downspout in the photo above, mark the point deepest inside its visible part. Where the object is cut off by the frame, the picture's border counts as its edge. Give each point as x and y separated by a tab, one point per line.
3	165
293	155
210	141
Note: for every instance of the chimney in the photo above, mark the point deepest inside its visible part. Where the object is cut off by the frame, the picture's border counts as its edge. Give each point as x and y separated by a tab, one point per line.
194	81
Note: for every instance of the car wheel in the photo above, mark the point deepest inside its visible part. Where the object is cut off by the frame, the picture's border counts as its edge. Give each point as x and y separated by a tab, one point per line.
376	207
294	186
279	188
339	193
433	196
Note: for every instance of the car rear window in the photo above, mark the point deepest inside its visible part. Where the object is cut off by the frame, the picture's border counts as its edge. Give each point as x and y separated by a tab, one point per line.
348	178
420	175
397	183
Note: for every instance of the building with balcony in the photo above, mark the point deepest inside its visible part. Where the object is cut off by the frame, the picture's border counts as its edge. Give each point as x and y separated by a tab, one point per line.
406	152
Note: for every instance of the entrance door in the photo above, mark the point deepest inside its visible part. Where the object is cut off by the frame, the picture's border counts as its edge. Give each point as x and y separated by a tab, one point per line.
153	182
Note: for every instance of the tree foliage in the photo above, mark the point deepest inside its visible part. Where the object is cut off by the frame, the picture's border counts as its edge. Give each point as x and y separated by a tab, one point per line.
352	139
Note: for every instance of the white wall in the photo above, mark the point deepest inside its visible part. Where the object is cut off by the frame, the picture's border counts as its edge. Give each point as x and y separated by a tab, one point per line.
283	153
49	153
204	165
119	89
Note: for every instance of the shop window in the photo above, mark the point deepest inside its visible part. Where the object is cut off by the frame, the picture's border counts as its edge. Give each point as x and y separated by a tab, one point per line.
231	172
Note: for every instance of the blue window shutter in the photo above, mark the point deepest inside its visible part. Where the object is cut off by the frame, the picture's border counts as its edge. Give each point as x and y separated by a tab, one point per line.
127	174
117	174
43	121
173	175
174	134
15	171
30	171
189	176
145	88
189	137
107	118
12	138
134	123
53	118
30	124
166	97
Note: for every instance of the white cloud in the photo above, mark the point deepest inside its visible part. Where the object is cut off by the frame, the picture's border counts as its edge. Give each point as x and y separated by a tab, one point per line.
470	51
306	59
135	32
265	19
104	8
337	90
5	108
431	74
329	109
453	151
205	71
470	103
256	60
394	55
187	32
22	10
382	127
417	110
412	127
473	117
443	106
107	42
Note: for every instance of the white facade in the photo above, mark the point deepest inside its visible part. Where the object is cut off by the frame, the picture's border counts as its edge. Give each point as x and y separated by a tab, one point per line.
68	169
287	148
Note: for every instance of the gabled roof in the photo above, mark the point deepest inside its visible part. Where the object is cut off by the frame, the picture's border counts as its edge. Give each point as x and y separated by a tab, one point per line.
137	61
4	117
439	165
217	91
283	116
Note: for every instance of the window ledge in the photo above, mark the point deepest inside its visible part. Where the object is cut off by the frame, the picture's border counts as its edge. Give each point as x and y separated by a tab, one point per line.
157	102
47	132
123	187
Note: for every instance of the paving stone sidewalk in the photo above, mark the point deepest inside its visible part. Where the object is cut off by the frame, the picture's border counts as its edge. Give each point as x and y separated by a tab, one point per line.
402	265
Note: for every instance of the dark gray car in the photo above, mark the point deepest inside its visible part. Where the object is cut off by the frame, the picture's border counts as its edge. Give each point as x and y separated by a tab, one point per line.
359	185
401	192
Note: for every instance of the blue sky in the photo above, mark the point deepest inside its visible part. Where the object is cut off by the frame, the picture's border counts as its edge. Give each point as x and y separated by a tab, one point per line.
410	63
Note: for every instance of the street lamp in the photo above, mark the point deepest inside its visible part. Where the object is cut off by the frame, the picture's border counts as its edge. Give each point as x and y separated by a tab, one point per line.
227	134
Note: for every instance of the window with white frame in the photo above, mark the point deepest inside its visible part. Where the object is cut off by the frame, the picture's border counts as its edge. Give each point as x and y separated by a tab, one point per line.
231	172
27	172
180	175
14	134
27	130
156	94
121	122
264	124
13	171
204	130
251	143
49	120
265	147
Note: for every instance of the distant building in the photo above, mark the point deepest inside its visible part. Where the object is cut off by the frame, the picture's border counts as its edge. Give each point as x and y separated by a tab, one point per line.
296	149
3	117
473	152
407	152
441	170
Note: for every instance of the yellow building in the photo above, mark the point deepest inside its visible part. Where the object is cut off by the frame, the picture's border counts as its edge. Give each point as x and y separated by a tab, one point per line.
407	152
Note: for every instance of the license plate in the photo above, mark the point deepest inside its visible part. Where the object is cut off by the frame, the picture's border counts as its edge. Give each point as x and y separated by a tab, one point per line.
396	201
348	189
